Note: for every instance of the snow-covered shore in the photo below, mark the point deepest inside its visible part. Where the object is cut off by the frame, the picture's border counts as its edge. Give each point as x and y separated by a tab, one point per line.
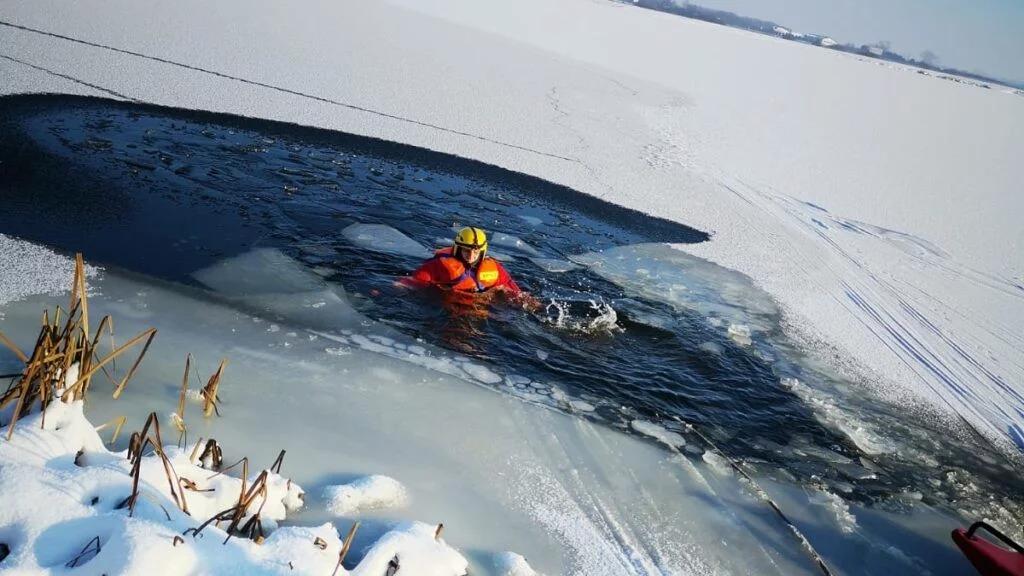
63	500
878	206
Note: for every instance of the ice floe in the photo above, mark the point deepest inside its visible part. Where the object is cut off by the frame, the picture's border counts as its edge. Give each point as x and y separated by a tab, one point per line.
659	433
384	238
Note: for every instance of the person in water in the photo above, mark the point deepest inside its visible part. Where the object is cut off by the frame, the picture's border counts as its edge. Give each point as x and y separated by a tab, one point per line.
465	268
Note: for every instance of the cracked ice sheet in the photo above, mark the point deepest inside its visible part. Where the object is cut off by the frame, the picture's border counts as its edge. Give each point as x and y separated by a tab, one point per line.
501	474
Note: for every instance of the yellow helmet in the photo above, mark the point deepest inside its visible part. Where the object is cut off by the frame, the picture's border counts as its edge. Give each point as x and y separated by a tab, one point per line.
473	238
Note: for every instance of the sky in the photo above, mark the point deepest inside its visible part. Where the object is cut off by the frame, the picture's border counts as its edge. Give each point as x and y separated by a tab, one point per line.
974	35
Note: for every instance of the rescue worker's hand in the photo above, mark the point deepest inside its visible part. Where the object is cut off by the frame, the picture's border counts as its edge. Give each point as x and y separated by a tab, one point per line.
529	302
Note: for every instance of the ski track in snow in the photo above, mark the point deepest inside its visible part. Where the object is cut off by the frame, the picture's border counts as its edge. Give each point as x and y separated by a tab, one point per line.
904	317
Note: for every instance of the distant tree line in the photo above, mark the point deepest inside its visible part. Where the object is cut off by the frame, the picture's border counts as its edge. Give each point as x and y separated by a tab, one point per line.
881	50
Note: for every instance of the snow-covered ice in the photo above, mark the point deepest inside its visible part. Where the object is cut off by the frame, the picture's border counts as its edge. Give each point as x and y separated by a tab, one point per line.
861	145
512	564
32	269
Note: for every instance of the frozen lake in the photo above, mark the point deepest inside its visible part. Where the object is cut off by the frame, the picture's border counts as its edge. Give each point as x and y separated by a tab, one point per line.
276	246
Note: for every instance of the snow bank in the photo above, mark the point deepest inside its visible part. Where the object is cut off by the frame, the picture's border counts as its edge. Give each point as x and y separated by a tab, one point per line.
512	564
63	504
413	548
60	488
367	493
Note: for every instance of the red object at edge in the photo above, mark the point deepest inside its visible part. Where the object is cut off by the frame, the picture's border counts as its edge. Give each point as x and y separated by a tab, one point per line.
988	558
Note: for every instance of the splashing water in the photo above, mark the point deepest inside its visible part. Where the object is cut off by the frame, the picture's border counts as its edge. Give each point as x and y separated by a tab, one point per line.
599	318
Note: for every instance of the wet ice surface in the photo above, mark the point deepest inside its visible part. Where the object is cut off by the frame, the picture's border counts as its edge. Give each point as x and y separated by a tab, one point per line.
501	474
298	238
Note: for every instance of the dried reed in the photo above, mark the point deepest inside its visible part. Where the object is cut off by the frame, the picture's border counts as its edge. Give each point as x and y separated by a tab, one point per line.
65	357
136	448
209	391
92	546
179	416
61	367
345	546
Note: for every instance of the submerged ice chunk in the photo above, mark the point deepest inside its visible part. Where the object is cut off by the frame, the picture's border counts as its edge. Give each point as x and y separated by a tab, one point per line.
581	406
500	256
367	493
740	334
554	265
268	282
831	414
512	243
481	373
659	433
712	348
383	238
717	463
260	271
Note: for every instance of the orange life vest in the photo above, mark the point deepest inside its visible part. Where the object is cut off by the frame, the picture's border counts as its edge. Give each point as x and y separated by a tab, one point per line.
479	278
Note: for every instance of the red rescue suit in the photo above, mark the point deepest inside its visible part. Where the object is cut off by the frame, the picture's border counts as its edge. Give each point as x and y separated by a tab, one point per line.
447	271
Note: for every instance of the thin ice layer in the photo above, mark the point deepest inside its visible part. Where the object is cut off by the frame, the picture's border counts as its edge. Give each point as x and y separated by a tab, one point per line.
572	497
